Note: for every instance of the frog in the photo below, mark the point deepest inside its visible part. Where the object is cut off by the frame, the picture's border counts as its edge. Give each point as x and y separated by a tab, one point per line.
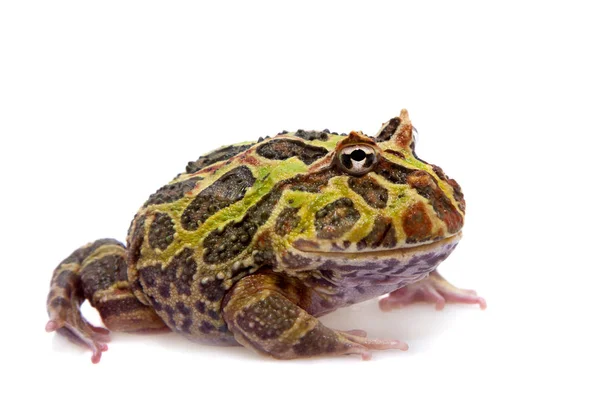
255	241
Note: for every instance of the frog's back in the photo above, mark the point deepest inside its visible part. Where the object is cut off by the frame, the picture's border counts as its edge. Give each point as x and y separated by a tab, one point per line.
198	235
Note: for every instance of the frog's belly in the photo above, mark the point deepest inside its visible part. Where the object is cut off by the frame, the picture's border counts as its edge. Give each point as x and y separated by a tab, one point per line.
343	280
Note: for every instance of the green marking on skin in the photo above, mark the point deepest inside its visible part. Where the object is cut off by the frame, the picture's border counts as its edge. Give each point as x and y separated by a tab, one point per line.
411	161
267	176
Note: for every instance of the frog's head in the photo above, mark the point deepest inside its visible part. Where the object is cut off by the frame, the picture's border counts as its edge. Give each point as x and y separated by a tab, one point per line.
378	196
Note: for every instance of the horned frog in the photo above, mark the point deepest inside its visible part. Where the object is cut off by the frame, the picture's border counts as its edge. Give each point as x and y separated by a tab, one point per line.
255	241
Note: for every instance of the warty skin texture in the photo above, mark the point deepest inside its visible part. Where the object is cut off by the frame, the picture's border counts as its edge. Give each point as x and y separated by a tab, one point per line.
256	240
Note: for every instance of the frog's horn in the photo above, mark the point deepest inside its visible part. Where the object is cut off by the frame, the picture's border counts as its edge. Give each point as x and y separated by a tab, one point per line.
398	129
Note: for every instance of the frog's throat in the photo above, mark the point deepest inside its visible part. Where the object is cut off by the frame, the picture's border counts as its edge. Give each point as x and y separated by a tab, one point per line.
401	252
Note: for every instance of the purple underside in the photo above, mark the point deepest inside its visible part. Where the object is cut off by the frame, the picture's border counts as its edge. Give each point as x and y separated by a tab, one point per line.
357	280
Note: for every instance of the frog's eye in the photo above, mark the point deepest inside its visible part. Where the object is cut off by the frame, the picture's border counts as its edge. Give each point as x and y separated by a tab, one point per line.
358	159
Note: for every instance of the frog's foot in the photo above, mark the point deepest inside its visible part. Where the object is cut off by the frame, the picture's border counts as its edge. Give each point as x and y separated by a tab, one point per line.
75	327
264	315
433	289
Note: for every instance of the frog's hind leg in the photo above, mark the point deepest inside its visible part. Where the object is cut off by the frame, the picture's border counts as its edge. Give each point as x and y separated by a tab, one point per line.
264	313
433	289
96	272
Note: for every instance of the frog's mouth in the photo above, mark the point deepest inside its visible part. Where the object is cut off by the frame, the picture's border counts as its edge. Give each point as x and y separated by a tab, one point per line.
311	248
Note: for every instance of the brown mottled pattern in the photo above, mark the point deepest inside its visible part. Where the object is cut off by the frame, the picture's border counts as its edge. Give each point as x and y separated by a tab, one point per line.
383	234
336	218
320	340
84	279
206	327
59	302
388	130
374	194
66	280
312	135
82	253
222	245
260	308
143	283
268	318
458	194
183	309
212	289
312	183
293	260
200	306
287	220
282	149
150	276
135	239
457	191
102	273
172	192
224	153
439	172
179	271
264	257
186	324
416	224
116	307
427	187
162	231
225	191
392	172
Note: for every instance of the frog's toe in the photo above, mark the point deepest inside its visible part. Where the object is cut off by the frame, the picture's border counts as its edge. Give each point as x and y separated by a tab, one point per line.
78	330
434	289
361	351
95	345
355	342
360	344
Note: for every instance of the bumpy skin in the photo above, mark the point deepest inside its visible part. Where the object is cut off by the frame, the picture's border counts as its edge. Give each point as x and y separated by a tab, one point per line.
256	240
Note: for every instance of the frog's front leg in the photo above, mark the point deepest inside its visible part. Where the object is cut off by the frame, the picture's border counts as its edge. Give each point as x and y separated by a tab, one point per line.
265	313
433	289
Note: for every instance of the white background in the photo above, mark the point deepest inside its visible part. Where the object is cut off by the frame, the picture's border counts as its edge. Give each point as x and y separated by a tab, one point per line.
103	102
